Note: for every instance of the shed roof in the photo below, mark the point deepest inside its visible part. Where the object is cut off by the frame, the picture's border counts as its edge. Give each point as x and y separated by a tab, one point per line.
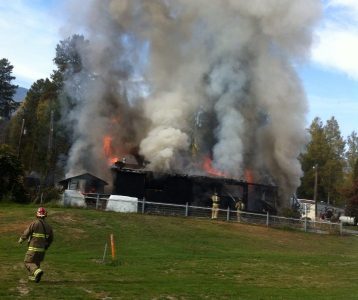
86	176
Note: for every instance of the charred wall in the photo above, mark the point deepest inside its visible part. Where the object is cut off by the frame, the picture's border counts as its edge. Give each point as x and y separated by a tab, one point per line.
129	184
194	190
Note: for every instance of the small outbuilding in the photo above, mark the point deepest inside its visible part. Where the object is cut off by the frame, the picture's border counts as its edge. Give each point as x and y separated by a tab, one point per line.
84	183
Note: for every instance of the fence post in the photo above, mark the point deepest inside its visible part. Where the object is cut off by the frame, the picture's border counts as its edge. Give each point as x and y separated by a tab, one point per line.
341	228
186	209
143	204
305	217
305	224
267	219
228	214
104	252
97	201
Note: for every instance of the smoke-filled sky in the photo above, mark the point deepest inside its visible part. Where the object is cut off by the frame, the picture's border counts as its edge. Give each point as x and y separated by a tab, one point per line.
222	78
30	31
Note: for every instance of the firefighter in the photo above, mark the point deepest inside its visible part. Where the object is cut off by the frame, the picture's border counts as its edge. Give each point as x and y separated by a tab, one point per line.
240	206
39	235
215	209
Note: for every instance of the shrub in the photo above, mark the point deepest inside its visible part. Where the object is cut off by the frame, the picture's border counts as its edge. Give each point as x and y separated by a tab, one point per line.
11	177
49	194
290	213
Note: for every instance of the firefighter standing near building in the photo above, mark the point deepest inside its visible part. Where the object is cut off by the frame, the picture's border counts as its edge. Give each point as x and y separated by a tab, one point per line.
240	206
39	235
215	209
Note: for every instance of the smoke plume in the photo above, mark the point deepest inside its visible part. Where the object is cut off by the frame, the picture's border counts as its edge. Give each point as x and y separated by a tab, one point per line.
178	81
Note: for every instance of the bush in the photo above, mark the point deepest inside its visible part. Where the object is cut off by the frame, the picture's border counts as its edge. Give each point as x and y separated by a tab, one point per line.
11	177
49	194
20	194
352	201
290	213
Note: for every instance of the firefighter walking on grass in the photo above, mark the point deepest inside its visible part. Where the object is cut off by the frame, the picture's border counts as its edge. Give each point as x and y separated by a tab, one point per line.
39	236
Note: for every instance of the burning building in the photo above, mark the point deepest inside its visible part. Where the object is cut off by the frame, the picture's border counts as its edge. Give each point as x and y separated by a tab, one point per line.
194	190
192	87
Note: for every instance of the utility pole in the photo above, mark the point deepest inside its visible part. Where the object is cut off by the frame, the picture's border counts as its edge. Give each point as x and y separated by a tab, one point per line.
21	133
49	175
315	189
50	138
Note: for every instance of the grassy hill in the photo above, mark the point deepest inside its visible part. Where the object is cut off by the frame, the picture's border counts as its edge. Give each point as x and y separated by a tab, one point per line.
175	258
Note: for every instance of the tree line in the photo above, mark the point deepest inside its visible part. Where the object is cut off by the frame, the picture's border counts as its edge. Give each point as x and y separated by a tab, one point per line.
36	141
333	160
35	135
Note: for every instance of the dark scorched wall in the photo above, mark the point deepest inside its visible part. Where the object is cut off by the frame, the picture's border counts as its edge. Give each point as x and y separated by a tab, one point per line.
194	190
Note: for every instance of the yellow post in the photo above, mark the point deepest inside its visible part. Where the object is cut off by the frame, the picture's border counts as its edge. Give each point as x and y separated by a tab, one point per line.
112	247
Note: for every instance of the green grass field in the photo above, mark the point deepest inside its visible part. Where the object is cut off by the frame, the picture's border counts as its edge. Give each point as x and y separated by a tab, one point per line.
174	258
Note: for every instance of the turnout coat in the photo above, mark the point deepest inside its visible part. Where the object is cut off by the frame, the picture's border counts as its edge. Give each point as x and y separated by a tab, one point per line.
39	235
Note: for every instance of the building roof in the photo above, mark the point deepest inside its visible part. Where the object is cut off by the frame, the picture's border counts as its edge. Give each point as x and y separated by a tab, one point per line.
86	176
195	178
307	201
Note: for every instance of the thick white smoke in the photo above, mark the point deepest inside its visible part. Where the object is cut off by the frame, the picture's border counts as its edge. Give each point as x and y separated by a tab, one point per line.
160	64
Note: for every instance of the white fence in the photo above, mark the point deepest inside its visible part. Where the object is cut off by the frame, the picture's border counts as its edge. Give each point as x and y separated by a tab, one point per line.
98	201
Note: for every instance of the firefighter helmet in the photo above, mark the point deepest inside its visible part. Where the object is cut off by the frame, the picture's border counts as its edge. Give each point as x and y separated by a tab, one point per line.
41	212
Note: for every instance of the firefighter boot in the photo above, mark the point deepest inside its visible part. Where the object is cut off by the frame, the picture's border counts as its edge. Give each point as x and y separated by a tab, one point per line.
38	274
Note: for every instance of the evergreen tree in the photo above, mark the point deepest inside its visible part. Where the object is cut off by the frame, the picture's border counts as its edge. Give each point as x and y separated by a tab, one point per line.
352	195
351	153
333	170
355	171
326	150
317	153
71	76
35	112
68	58
45	140
7	90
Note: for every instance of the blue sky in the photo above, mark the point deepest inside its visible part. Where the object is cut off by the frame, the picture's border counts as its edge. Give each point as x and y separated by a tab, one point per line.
330	77
30	31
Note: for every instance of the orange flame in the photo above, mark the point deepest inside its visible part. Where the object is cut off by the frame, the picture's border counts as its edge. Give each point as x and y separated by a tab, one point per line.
108	150
208	167
249	177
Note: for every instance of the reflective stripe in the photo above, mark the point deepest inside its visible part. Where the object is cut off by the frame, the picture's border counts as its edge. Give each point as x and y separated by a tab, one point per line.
40	235
37	271
36	249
